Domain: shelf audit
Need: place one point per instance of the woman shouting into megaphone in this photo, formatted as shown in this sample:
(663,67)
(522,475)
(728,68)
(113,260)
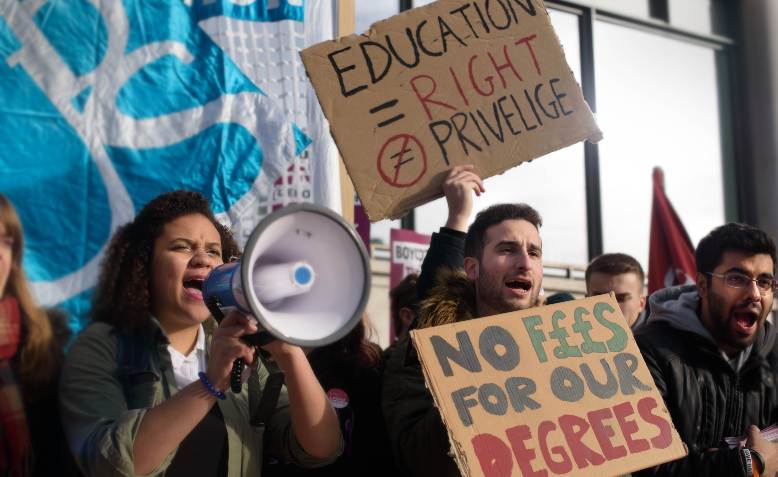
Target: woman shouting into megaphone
(143,388)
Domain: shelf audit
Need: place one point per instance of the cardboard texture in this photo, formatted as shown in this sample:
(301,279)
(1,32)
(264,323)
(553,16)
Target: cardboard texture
(554,390)
(454,82)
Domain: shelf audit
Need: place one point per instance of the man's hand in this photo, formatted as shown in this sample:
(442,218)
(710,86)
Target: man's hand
(767,449)
(457,187)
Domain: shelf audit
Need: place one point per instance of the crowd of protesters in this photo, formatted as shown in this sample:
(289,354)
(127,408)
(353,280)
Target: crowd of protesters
(142,390)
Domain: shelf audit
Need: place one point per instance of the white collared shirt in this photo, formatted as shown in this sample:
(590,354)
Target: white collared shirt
(186,368)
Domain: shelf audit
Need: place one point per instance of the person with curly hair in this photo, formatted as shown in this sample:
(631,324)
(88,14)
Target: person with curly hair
(31,342)
(140,384)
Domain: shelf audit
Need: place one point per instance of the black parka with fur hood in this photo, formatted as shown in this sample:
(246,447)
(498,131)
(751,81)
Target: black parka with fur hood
(418,438)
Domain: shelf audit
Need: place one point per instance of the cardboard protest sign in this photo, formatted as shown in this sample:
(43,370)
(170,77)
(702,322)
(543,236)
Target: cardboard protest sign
(454,82)
(555,390)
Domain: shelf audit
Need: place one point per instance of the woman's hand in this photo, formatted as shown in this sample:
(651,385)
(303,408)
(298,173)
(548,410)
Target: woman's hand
(282,352)
(166,425)
(226,347)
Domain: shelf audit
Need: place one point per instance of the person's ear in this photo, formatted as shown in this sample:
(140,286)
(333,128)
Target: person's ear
(702,285)
(406,316)
(471,268)
(643,299)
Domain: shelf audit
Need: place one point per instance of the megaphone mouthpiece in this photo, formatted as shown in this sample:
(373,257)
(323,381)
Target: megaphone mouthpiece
(273,283)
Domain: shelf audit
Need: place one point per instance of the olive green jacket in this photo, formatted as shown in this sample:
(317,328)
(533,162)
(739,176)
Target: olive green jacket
(101,421)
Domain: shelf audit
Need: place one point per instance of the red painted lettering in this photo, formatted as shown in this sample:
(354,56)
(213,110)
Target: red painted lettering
(629,427)
(459,86)
(489,79)
(665,436)
(604,433)
(526,41)
(493,455)
(507,65)
(574,428)
(424,98)
(558,467)
(517,437)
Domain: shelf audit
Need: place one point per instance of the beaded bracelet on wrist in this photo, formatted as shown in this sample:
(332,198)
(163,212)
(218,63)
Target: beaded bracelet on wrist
(211,388)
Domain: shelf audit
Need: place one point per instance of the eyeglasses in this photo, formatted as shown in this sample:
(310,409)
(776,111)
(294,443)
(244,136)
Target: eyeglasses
(741,280)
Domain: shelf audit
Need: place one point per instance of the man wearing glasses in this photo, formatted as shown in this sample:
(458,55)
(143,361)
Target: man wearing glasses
(713,356)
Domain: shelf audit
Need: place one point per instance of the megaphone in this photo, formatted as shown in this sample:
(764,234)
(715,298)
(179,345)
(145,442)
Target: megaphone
(304,276)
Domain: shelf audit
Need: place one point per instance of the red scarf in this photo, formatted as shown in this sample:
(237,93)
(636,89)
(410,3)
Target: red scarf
(14,435)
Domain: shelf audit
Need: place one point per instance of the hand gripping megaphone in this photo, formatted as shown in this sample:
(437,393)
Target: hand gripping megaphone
(304,276)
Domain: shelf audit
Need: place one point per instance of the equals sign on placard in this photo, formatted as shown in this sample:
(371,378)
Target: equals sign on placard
(389,104)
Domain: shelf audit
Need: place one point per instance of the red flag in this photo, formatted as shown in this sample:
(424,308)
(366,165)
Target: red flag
(671,254)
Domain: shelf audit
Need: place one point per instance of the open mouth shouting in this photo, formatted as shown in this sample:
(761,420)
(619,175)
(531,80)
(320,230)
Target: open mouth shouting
(193,287)
(745,320)
(519,286)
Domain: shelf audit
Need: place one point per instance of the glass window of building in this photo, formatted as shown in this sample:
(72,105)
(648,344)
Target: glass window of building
(657,104)
(632,8)
(693,15)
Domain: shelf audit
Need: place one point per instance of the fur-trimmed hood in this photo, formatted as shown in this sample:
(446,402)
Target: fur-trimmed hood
(452,299)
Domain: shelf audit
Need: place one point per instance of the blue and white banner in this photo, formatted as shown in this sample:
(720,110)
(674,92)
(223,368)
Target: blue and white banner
(106,104)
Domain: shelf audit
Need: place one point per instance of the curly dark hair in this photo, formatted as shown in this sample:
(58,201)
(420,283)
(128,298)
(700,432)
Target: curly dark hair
(122,297)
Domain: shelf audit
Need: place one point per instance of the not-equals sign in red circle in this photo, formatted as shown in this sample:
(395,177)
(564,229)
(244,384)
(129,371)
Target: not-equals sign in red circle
(402,161)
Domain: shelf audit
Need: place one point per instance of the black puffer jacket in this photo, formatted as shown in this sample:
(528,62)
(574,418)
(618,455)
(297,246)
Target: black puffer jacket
(708,397)
(417,435)
(418,438)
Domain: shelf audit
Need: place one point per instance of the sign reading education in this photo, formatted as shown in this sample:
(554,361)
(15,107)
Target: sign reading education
(454,82)
(555,390)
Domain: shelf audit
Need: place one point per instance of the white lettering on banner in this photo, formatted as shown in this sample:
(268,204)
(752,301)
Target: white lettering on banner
(102,125)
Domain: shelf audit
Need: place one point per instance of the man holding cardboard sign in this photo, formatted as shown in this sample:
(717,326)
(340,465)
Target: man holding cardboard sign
(503,272)
(522,391)
(713,355)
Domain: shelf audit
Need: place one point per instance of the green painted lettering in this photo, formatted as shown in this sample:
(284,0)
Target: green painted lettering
(564,350)
(619,339)
(582,327)
(537,336)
